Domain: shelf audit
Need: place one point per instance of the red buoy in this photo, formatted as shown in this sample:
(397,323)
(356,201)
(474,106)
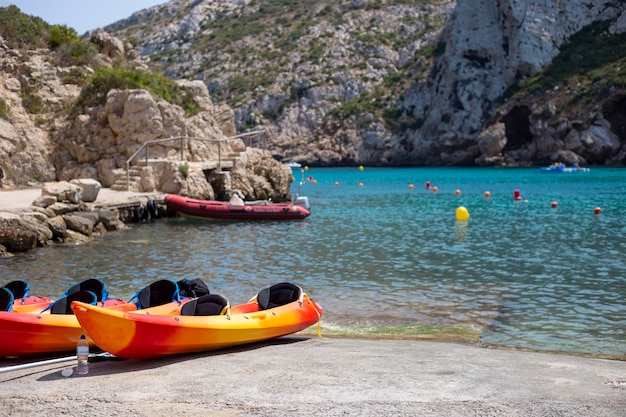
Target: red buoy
(555,204)
(597,210)
(517,195)
(428,185)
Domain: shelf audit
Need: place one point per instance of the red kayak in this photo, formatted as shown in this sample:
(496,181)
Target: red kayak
(223,210)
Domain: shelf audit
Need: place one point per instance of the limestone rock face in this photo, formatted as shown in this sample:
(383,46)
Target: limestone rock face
(24,229)
(63,191)
(90,150)
(445,100)
(80,224)
(17,235)
(492,141)
(90,187)
(134,115)
(132,118)
(58,227)
(488,47)
(262,178)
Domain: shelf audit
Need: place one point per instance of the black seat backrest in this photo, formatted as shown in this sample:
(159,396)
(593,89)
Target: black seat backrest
(64,305)
(278,295)
(19,288)
(192,288)
(6,299)
(158,293)
(207,305)
(96,286)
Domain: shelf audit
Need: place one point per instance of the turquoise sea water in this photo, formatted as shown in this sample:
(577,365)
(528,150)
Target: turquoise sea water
(384,258)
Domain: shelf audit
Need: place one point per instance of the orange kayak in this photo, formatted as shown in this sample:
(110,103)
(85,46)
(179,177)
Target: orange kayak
(134,335)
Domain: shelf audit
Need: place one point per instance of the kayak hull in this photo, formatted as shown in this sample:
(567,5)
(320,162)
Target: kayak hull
(140,336)
(30,333)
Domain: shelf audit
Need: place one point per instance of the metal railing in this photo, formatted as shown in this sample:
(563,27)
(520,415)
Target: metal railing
(182,140)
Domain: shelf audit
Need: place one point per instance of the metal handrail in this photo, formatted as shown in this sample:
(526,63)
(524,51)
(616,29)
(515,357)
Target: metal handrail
(182,139)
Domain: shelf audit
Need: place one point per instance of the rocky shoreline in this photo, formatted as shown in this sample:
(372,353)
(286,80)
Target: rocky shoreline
(68,212)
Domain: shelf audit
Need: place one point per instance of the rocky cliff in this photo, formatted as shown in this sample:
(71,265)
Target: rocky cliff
(372,82)
(63,121)
(396,82)
(491,46)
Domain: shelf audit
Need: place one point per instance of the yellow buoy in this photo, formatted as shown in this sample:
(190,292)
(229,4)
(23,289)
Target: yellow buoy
(361,168)
(462,214)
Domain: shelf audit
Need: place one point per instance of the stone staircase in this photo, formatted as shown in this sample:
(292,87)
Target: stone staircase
(141,175)
(132,182)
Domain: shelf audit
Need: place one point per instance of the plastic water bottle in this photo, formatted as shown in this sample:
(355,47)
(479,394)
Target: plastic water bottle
(82,353)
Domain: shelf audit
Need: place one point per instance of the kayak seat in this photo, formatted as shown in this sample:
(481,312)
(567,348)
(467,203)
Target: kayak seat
(64,305)
(207,305)
(192,288)
(158,293)
(6,299)
(96,286)
(18,288)
(278,295)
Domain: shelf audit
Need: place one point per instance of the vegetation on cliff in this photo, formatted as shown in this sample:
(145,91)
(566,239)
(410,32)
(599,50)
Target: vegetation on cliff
(22,31)
(25,32)
(271,45)
(105,79)
(590,67)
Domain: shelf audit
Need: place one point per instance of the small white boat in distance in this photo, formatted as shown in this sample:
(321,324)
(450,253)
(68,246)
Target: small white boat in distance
(292,164)
(560,167)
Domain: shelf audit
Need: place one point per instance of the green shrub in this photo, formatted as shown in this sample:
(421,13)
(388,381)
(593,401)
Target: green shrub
(4,109)
(75,76)
(32,102)
(106,79)
(60,34)
(76,53)
(184,170)
(20,30)
(29,32)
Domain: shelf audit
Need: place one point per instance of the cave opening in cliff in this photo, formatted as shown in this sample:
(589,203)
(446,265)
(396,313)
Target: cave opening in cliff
(517,128)
(614,110)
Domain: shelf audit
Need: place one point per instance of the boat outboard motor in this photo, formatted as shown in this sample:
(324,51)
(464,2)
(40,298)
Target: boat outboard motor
(302,201)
